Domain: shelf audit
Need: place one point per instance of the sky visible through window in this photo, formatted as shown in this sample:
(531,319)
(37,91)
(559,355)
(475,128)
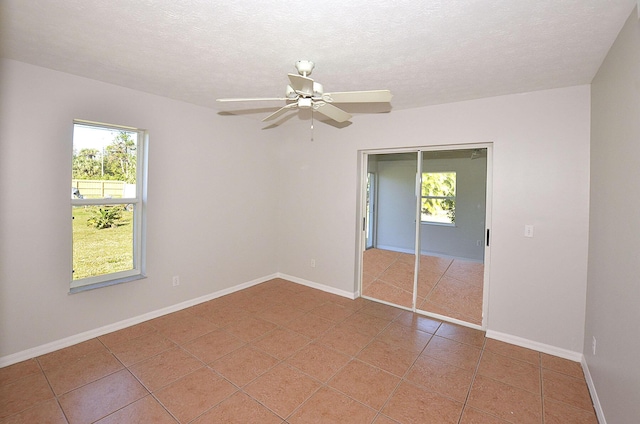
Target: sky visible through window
(89,137)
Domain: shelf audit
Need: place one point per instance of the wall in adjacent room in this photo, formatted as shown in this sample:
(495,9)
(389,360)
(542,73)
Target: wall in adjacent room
(396,207)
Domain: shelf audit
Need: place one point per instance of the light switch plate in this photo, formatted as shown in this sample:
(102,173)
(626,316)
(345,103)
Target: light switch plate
(528,230)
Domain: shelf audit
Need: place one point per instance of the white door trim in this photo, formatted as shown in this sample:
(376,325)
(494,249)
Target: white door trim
(363,161)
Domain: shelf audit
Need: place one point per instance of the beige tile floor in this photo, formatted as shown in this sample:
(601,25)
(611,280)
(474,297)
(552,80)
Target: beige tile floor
(450,287)
(281,352)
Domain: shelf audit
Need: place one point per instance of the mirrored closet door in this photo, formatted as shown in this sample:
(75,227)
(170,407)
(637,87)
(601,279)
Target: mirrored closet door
(389,260)
(425,220)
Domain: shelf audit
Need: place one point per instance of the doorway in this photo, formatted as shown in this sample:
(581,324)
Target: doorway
(425,225)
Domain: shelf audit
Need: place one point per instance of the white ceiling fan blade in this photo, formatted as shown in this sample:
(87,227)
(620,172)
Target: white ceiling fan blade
(252,99)
(280,112)
(302,85)
(332,112)
(371,96)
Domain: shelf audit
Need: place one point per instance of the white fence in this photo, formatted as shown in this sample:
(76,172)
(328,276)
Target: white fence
(104,189)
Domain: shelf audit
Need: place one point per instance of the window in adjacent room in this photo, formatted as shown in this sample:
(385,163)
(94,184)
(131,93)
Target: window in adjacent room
(107,204)
(438,203)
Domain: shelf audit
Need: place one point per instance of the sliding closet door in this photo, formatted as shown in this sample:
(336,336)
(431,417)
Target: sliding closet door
(452,233)
(389,258)
(425,227)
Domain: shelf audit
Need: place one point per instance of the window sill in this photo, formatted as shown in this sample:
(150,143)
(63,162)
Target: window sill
(438,224)
(93,286)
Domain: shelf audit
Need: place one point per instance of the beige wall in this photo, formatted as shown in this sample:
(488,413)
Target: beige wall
(613,293)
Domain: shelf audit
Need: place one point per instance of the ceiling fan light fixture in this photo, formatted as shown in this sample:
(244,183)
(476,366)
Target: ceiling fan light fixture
(305,103)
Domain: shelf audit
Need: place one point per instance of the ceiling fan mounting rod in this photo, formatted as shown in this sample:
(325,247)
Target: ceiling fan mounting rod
(304,67)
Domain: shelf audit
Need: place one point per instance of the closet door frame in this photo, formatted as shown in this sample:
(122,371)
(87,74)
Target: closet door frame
(361,239)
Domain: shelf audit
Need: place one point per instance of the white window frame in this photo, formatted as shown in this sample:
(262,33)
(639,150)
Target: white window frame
(446,224)
(139,216)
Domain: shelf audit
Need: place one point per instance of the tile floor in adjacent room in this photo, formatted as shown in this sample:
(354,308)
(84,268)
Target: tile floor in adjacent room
(282,352)
(449,287)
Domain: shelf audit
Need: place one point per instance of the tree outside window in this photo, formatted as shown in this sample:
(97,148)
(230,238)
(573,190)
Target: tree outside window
(438,202)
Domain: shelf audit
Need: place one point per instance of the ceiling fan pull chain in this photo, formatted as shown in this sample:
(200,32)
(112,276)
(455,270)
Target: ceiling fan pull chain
(311,124)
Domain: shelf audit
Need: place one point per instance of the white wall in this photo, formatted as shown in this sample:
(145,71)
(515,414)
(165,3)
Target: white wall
(211,204)
(396,203)
(540,174)
(307,193)
(613,291)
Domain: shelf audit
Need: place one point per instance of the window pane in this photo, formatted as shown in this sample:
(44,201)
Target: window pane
(104,163)
(439,184)
(438,210)
(102,240)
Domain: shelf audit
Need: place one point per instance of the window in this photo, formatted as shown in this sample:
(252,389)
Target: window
(107,204)
(438,203)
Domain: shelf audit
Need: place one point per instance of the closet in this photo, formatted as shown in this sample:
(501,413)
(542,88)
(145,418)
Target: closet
(425,236)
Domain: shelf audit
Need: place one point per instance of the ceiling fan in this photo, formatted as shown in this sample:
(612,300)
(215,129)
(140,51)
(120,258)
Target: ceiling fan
(303,92)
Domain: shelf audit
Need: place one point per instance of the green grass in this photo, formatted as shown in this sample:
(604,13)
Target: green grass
(98,252)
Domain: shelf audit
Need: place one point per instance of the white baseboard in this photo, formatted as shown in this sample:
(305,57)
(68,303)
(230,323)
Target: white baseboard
(324,288)
(540,347)
(395,249)
(592,389)
(556,351)
(428,253)
(87,335)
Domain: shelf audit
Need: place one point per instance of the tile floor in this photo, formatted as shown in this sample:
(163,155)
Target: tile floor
(450,287)
(280,352)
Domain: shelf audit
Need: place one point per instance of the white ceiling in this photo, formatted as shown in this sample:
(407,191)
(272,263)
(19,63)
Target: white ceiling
(425,51)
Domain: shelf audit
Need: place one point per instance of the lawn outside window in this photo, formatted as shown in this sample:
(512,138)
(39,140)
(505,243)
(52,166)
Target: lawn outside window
(438,200)
(108,199)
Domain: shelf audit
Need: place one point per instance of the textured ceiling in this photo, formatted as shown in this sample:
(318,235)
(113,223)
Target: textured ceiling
(425,51)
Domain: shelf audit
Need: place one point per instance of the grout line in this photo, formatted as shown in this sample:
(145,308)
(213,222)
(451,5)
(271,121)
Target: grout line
(541,387)
(321,384)
(62,410)
(55,395)
(473,379)
(449,312)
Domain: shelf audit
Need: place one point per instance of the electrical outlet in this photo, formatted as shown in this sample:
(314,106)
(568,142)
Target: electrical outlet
(313,263)
(593,345)
(176,280)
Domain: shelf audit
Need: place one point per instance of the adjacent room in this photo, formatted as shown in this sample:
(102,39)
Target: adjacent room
(431,217)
